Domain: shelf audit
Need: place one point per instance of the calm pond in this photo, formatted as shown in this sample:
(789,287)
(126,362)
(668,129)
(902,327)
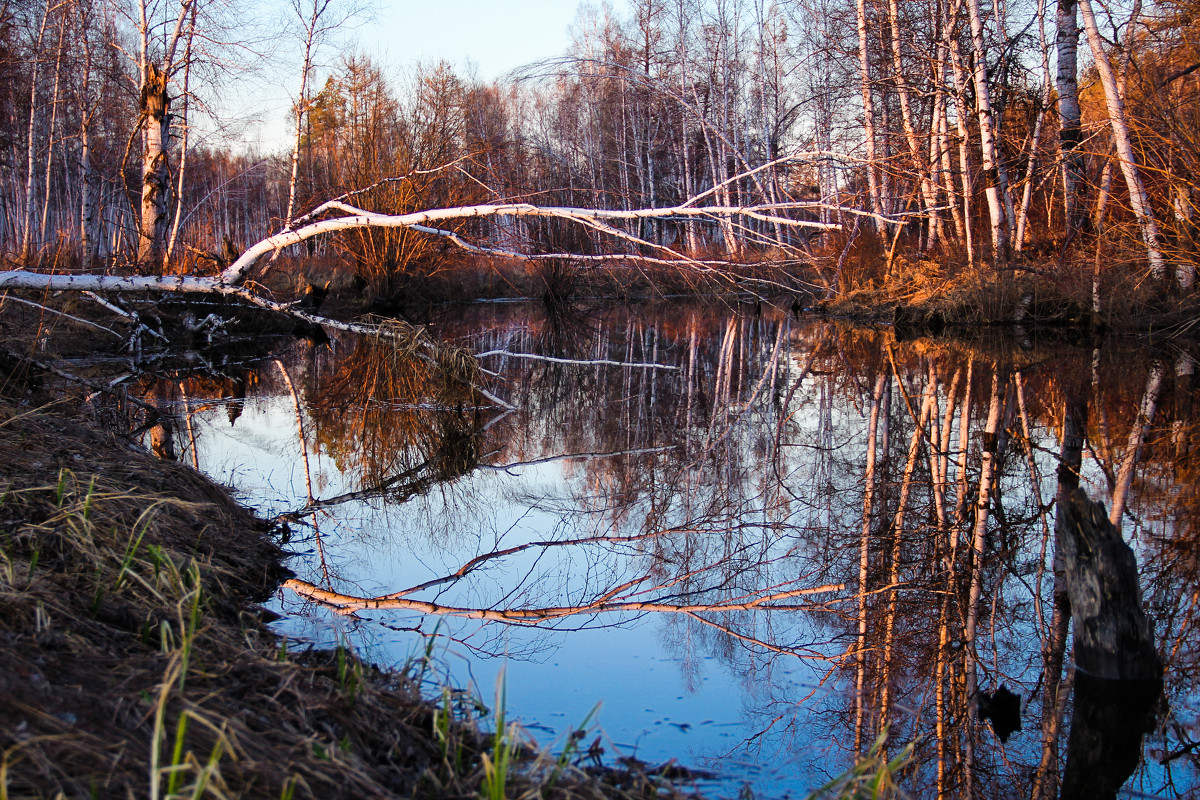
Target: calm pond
(755,549)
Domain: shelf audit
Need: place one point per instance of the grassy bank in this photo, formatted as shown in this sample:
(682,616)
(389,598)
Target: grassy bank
(138,665)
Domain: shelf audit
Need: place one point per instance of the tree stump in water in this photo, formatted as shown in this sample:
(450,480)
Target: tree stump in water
(1118,674)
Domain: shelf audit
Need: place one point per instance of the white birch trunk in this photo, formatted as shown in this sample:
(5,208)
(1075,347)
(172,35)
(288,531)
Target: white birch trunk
(1070,134)
(310,29)
(928,194)
(155,104)
(177,217)
(27,226)
(868,104)
(58,60)
(987,136)
(1137,436)
(964,140)
(1123,141)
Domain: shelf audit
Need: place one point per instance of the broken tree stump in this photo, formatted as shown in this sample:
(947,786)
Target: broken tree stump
(1118,674)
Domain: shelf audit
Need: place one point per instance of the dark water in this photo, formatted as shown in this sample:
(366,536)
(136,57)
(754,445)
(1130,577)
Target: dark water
(707,552)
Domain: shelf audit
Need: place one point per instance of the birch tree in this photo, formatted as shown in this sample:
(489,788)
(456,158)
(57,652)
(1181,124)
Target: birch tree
(1070,132)
(161,36)
(319,20)
(987,135)
(868,105)
(31,140)
(1123,141)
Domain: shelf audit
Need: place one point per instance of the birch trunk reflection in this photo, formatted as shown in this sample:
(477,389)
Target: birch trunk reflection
(760,501)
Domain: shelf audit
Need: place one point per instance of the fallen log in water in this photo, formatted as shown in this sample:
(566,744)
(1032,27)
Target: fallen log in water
(1118,674)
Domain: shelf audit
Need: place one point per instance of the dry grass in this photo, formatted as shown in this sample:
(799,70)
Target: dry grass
(137,666)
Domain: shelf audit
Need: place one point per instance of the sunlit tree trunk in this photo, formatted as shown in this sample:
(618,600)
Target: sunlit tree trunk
(1137,436)
(155,105)
(928,194)
(1122,139)
(987,136)
(964,141)
(864,561)
(177,217)
(987,474)
(868,104)
(156,63)
(1070,135)
(940,153)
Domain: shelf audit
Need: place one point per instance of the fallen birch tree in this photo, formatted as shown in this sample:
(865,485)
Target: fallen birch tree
(338,215)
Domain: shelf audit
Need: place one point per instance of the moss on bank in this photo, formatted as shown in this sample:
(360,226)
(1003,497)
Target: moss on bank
(137,664)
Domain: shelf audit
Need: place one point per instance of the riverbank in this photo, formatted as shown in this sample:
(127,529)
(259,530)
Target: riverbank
(137,663)
(919,295)
(927,297)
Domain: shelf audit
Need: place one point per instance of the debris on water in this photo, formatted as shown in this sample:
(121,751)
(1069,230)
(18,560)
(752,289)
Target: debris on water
(1003,708)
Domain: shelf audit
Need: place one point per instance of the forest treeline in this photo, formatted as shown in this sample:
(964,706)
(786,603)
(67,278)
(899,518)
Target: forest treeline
(953,132)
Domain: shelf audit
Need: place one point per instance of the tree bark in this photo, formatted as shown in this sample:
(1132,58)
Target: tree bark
(1123,140)
(868,104)
(928,195)
(1070,133)
(27,227)
(1118,673)
(987,136)
(155,104)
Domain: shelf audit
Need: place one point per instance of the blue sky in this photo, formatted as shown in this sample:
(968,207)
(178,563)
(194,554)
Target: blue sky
(497,35)
(493,36)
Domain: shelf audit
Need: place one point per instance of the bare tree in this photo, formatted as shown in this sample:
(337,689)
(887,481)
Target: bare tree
(318,20)
(1122,140)
(162,37)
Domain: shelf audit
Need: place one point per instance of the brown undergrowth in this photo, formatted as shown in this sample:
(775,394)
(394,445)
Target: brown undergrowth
(137,665)
(928,295)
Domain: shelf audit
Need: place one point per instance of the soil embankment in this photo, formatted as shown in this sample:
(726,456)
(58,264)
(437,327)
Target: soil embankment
(136,663)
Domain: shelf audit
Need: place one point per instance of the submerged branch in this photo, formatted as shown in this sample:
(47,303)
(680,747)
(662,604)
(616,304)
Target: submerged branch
(73,318)
(533,616)
(574,361)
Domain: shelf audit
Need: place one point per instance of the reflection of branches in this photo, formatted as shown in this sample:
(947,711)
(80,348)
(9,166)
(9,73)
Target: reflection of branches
(534,616)
(418,480)
(408,483)
(753,640)
(576,362)
(576,456)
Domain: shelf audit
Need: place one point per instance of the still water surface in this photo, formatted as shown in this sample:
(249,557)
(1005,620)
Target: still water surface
(756,549)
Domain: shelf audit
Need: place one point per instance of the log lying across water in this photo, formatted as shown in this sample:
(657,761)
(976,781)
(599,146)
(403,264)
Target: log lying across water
(1118,674)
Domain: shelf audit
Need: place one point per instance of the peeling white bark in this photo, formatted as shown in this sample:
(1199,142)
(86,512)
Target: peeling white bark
(1115,105)
(356,218)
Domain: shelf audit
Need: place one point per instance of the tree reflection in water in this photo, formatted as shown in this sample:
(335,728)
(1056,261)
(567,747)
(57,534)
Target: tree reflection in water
(882,514)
